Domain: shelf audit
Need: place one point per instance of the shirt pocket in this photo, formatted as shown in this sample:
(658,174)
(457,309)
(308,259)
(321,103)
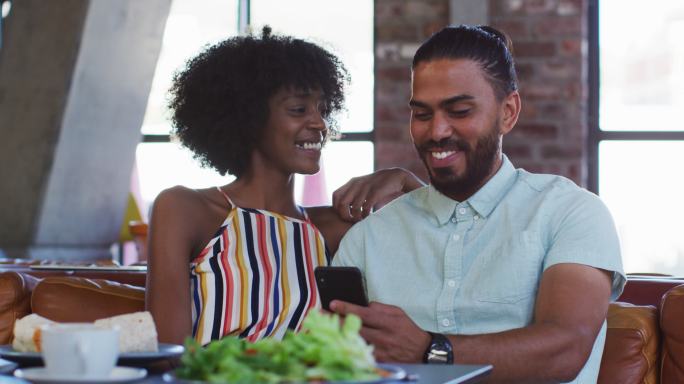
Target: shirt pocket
(510,272)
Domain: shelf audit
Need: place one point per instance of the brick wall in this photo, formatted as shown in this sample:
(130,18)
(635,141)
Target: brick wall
(548,36)
(400,27)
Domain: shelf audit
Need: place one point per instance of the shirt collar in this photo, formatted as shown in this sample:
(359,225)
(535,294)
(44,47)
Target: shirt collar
(483,201)
(486,199)
(440,205)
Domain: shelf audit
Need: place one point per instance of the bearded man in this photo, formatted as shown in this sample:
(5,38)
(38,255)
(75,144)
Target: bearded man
(488,264)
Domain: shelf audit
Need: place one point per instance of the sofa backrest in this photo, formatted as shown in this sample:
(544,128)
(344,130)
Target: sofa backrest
(658,316)
(631,352)
(15,301)
(672,328)
(62,298)
(78,299)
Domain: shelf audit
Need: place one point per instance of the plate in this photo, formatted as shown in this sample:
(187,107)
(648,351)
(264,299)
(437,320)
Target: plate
(118,375)
(391,373)
(166,351)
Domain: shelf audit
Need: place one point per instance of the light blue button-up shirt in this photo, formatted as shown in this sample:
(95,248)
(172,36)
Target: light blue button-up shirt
(474,267)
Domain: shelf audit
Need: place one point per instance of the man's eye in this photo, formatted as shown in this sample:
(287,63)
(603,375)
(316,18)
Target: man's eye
(459,112)
(421,116)
(297,110)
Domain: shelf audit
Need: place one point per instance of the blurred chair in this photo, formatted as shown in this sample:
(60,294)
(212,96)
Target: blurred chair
(138,230)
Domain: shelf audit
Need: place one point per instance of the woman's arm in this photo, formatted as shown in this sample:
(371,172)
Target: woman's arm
(362,195)
(358,198)
(167,294)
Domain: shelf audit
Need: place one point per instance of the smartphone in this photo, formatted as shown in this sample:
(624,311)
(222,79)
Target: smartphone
(340,283)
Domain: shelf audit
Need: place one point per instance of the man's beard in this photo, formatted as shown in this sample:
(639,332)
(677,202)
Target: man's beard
(479,163)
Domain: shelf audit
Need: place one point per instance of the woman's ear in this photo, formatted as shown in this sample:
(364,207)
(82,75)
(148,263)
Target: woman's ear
(510,110)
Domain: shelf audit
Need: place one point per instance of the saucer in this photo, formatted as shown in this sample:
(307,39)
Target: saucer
(118,375)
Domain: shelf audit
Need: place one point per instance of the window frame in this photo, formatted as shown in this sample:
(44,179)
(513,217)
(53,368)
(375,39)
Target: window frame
(244,20)
(595,135)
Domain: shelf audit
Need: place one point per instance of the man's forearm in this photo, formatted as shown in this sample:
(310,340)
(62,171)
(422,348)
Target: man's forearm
(535,354)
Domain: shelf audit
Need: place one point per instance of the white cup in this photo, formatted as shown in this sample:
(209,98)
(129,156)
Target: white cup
(79,350)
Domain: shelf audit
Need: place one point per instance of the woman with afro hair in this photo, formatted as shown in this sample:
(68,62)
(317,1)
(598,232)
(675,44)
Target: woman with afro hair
(238,259)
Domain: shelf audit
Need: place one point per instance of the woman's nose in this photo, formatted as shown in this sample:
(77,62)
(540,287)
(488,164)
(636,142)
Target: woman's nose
(317,121)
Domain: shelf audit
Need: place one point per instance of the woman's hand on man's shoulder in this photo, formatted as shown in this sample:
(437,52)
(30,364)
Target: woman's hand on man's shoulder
(362,195)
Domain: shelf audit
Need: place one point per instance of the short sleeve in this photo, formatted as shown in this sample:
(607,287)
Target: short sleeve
(584,233)
(350,252)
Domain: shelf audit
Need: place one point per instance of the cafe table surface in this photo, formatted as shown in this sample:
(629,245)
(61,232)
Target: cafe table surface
(417,373)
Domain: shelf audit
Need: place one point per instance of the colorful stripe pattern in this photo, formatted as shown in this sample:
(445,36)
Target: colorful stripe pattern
(255,277)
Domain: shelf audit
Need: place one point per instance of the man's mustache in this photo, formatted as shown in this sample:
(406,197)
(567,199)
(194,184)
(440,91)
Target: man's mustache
(448,144)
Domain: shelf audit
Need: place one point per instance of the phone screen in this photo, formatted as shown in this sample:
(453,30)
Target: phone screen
(340,283)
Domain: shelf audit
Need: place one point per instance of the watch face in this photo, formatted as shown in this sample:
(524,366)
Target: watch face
(436,356)
(440,350)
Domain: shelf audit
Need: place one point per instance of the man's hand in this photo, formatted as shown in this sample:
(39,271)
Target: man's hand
(395,337)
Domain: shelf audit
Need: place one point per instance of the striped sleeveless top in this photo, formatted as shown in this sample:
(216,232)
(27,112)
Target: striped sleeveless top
(255,279)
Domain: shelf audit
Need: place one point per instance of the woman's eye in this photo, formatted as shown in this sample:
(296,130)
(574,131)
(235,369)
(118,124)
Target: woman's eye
(298,110)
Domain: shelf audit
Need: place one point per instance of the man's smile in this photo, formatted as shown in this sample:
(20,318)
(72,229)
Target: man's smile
(441,158)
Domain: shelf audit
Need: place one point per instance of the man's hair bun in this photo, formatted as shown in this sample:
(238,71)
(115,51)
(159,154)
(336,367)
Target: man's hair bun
(266,32)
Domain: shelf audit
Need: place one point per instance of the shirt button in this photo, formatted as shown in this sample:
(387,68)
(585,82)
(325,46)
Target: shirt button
(451,283)
(453,219)
(456,237)
(445,322)
(462,211)
(476,217)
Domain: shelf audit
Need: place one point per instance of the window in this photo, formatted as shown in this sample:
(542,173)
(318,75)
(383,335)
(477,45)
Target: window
(162,164)
(636,138)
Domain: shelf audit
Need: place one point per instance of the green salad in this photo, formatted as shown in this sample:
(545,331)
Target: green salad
(324,350)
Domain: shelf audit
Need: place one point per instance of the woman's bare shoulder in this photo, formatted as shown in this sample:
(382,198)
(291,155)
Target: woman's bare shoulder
(187,200)
(187,217)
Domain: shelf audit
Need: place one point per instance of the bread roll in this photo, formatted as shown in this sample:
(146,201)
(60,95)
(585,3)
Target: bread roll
(137,331)
(27,333)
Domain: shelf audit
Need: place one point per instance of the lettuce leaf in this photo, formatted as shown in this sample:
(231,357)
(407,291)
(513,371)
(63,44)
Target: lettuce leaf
(326,349)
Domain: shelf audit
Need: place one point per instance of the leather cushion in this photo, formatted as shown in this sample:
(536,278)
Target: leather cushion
(672,327)
(630,354)
(15,301)
(78,299)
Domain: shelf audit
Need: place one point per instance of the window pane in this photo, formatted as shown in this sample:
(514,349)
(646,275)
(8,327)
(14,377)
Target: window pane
(641,184)
(642,65)
(340,162)
(164,165)
(343,27)
(190,26)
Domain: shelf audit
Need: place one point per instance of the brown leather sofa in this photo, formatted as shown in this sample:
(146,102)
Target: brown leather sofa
(645,337)
(67,296)
(644,342)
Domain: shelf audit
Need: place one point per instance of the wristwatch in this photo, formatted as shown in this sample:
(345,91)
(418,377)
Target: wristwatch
(439,351)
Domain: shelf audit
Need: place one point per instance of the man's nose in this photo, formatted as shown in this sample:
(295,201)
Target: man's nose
(440,128)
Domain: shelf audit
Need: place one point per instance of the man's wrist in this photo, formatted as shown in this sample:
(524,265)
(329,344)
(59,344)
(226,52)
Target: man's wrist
(411,181)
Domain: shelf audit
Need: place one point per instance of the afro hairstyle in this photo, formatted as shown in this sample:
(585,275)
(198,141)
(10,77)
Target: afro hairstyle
(219,99)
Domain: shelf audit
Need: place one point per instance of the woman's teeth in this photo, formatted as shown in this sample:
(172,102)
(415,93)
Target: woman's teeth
(314,146)
(442,155)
